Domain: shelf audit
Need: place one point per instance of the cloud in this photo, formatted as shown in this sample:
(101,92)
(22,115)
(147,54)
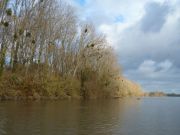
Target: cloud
(165,66)
(155,75)
(147,67)
(150,68)
(155,17)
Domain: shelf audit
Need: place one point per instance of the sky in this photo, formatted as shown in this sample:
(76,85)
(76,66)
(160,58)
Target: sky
(145,35)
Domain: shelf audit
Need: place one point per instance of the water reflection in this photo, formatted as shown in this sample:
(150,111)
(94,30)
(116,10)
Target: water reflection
(125,117)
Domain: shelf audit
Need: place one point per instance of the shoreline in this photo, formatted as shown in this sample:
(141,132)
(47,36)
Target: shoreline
(44,98)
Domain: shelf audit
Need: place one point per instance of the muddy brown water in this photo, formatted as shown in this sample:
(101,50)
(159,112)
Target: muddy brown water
(130,116)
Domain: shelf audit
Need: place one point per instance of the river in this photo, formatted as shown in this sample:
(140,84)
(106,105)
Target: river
(129,116)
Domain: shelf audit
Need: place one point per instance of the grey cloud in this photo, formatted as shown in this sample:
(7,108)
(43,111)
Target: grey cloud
(138,45)
(166,79)
(155,17)
(156,50)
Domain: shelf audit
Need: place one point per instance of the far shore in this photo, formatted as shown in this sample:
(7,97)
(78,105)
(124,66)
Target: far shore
(160,94)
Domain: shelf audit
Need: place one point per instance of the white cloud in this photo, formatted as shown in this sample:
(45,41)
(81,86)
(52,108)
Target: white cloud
(165,66)
(150,68)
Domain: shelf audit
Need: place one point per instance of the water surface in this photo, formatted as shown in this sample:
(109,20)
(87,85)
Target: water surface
(148,116)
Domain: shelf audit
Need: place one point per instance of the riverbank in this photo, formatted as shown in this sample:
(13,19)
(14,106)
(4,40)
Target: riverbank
(41,86)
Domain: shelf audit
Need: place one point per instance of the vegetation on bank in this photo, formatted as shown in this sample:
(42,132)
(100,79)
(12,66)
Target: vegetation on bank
(46,52)
(155,94)
(161,94)
(173,95)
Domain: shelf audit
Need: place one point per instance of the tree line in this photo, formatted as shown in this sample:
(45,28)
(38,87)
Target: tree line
(45,49)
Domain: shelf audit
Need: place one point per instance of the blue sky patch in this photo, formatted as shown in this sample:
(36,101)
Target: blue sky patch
(81,2)
(119,18)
